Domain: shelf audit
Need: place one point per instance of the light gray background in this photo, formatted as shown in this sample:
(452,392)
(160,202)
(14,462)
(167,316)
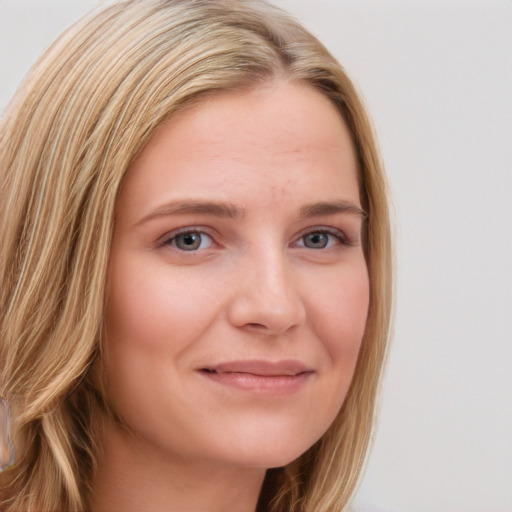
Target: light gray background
(437,78)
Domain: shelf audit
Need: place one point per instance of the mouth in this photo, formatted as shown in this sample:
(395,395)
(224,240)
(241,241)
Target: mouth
(285,368)
(281,377)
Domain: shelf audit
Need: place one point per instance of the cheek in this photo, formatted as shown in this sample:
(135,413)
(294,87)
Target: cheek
(152,318)
(149,308)
(339,310)
(338,302)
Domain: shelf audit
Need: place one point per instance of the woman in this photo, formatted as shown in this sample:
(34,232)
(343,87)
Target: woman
(195,266)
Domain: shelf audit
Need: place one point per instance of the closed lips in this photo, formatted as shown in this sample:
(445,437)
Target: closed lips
(286,368)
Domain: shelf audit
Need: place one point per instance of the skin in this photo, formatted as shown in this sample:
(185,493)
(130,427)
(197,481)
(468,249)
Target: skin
(219,257)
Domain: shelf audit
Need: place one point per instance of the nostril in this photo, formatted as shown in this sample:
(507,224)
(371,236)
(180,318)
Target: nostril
(256,325)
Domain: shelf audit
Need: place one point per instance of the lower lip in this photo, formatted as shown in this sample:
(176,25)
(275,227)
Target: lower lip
(265,384)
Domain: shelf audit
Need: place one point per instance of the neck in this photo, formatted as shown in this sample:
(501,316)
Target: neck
(131,477)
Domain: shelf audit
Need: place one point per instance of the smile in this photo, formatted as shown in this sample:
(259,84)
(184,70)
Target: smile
(266,377)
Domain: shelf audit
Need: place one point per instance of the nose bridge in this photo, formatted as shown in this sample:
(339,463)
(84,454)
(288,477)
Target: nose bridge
(267,297)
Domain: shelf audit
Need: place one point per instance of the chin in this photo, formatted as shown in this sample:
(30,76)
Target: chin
(268,448)
(274,457)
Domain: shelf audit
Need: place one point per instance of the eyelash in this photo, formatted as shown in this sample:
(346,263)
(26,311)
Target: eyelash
(170,239)
(340,236)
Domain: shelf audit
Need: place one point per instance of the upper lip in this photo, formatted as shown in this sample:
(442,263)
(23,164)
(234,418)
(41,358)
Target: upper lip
(287,367)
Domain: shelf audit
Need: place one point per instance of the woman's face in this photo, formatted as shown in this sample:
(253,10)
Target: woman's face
(238,291)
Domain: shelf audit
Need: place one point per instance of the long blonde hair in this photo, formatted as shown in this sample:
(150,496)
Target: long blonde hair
(81,116)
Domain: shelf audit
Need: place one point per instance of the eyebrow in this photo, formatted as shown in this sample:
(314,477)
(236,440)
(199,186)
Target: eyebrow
(216,209)
(331,208)
(231,211)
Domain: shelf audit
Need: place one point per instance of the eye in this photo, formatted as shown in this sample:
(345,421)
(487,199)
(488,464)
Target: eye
(189,241)
(322,239)
(316,240)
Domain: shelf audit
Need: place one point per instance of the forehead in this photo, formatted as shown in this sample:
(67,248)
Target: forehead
(277,140)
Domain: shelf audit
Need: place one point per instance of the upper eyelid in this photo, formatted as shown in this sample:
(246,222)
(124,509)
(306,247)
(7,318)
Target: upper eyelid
(163,240)
(321,229)
(343,238)
(324,229)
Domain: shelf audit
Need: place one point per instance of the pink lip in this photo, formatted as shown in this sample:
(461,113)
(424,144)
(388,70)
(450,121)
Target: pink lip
(280,377)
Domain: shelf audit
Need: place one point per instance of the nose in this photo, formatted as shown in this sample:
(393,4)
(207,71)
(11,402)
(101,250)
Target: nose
(266,297)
